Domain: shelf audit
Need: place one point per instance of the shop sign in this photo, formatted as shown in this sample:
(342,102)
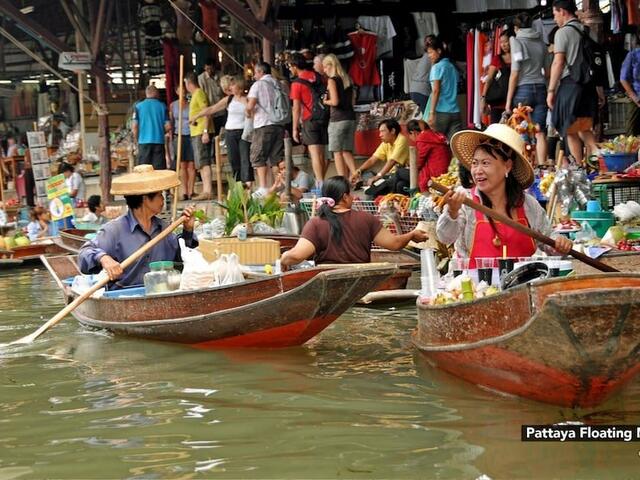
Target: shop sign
(74,61)
(60,204)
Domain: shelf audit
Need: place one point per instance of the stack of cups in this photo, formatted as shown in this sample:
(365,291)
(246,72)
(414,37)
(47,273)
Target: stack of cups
(429,276)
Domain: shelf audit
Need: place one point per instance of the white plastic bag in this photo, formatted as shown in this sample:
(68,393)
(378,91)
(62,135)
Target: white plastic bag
(234,272)
(82,283)
(197,272)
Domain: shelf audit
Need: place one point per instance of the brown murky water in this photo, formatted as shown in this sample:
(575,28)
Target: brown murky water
(356,402)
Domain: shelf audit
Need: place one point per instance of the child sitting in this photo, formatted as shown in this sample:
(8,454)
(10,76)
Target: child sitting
(96,210)
(39,226)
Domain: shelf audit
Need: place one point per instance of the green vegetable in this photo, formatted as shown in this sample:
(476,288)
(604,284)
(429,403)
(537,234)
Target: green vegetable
(241,207)
(201,216)
(467,289)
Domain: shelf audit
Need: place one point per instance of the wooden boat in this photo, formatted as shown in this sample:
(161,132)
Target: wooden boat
(29,254)
(621,260)
(276,311)
(71,239)
(570,342)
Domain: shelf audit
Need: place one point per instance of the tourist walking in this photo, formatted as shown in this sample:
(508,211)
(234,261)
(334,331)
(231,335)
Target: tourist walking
(149,124)
(527,85)
(442,112)
(310,116)
(187,167)
(573,103)
(269,107)
(342,119)
(237,148)
(496,86)
(200,139)
(630,81)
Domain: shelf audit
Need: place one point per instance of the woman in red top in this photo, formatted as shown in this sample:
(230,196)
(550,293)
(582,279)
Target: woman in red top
(499,70)
(434,154)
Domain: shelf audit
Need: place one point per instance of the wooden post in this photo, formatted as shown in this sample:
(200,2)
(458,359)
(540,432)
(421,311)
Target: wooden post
(176,192)
(288,162)
(104,151)
(267,51)
(413,168)
(218,169)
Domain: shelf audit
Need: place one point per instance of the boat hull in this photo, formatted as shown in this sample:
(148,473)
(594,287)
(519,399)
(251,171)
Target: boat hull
(570,342)
(278,311)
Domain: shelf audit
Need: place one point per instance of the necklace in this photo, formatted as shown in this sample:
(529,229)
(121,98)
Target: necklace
(497,241)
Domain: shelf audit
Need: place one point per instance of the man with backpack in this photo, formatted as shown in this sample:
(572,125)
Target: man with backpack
(571,95)
(268,104)
(310,113)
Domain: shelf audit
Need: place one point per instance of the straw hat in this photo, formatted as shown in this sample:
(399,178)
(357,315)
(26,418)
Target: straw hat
(144,179)
(465,142)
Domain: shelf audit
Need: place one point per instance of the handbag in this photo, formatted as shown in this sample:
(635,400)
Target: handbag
(497,91)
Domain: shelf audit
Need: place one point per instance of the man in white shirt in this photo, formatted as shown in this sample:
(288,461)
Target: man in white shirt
(267,147)
(74,182)
(209,81)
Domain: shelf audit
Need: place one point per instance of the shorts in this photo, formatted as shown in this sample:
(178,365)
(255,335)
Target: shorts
(533,95)
(152,154)
(201,152)
(581,124)
(267,147)
(341,135)
(187,150)
(314,133)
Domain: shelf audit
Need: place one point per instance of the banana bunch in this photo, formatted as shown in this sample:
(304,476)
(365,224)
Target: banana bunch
(546,182)
(448,179)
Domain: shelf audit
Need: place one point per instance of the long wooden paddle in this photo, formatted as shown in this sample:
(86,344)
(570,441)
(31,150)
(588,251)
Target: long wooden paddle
(72,306)
(489,212)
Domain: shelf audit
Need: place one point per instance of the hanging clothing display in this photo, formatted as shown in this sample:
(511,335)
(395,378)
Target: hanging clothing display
(209,12)
(633,12)
(184,28)
(426,24)
(171,68)
(383,28)
(363,68)
(472,6)
(340,45)
(149,16)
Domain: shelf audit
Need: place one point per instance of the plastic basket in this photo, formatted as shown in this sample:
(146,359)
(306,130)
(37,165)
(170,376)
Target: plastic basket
(612,194)
(618,162)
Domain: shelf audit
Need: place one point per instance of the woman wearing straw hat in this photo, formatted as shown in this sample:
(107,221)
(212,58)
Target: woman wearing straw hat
(501,174)
(121,237)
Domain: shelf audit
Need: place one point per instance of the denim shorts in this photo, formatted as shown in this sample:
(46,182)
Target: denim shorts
(535,96)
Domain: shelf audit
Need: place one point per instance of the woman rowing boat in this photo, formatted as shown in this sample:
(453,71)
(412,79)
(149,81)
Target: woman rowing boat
(501,173)
(121,237)
(341,235)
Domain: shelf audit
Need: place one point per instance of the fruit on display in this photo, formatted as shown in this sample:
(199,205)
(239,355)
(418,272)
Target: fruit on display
(461,289)
(20,240)
(9,243)
(2,244)
(621,144)
(546,182)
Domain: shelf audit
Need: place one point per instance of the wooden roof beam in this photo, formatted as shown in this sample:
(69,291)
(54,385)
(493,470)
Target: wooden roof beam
(41,34)
(76,22)
(237,10)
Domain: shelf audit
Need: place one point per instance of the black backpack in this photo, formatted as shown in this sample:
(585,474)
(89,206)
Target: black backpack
(319,111)
(590,65)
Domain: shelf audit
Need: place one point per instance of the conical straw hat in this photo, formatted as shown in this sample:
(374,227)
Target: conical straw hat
(144,179)
(465,142)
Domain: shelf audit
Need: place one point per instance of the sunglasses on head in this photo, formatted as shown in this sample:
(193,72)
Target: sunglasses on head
(497,146)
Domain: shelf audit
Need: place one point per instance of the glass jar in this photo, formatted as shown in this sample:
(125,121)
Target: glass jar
(161,278)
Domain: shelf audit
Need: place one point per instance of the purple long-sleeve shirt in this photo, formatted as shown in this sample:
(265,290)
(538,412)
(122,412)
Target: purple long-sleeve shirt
(123,236)
(630,70)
